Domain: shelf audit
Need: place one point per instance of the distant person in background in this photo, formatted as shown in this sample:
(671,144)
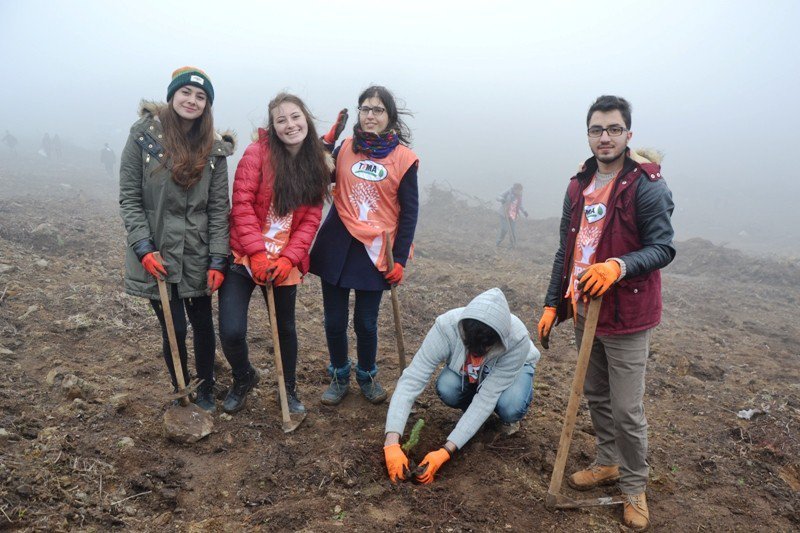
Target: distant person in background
(10,141)
(510,208)
(376,192)
(108,159)
(47,146)
(615,236)
(173,197)
(57,146)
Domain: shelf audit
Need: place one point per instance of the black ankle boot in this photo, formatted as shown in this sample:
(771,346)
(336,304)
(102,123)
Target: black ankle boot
(205,397)
(237,394)
(295,405)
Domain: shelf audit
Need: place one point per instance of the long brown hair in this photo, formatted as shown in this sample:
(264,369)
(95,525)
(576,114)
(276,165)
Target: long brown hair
(302,179)
(188,151)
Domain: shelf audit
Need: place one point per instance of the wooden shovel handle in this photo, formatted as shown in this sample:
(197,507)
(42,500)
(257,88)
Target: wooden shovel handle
(269,296)
(173,339)
(398,325)
(590,326)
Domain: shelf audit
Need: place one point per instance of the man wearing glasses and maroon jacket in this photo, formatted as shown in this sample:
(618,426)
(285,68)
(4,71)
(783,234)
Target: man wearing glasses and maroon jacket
(616,233)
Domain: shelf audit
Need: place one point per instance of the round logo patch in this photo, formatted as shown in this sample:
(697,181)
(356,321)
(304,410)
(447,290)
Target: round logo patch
(369,170)
(595,212)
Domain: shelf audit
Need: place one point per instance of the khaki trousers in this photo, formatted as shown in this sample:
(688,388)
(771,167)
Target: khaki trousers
(614,389)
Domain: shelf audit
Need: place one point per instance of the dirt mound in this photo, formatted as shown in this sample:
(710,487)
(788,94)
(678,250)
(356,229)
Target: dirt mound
(699,257)
(87,452)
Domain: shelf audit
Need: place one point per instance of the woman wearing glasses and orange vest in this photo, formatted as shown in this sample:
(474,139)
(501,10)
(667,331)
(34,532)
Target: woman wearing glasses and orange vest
(375,191)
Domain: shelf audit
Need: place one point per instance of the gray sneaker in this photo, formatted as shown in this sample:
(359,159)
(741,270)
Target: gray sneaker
(336,391)
(372,390)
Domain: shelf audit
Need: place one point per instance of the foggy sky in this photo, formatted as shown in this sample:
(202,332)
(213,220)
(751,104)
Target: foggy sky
(499,90)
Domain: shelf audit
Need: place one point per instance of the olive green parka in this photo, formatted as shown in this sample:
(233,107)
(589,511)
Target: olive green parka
(188,226)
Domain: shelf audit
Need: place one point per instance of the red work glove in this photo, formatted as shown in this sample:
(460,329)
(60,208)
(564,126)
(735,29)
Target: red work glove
(395,276)
(259,266)
(396,462)
(595,280)
(337,128)
(153,266)
(280,270)
(545,325)
(431,464)
(214,280)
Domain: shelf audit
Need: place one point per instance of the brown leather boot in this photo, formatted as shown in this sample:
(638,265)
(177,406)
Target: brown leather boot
(594,476)
(636,516)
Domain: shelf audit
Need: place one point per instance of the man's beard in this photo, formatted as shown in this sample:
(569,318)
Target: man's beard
(610,158)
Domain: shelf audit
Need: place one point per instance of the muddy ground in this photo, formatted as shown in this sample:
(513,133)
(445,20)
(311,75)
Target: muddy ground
(92,456)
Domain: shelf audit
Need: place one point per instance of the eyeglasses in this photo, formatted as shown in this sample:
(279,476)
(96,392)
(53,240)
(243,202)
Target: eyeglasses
(376,111)
(613,131)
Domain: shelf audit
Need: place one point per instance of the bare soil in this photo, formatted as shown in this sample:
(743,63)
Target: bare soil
(86,457)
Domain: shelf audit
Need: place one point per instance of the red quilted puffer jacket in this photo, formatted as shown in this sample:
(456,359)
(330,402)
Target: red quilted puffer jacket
(252,196)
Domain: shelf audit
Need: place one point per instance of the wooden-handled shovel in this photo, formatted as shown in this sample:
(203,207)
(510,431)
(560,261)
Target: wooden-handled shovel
(185,422)
(291,421)
(398,325)
(554,499)
(183,391)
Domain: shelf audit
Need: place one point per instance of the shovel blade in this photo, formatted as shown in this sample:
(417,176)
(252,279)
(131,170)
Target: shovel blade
(183,394)
(559,501)
(295,419)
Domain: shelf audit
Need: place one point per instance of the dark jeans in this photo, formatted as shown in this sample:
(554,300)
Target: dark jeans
(199,311)
(336,301)
(234,300)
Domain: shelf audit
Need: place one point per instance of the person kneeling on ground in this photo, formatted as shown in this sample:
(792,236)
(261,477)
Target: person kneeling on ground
(489,365)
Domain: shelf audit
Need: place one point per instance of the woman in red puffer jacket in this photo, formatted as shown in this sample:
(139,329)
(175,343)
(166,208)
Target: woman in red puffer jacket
(278,192)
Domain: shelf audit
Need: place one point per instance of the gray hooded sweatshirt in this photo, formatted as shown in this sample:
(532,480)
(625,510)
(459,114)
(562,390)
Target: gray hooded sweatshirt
(444,344)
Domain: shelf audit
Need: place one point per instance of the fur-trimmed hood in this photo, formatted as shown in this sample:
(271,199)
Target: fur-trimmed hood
(647,155)
(224,141)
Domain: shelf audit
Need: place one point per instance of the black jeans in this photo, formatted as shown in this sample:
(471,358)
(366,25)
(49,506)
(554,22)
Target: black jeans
(336,301)
(199,311)
(234,301)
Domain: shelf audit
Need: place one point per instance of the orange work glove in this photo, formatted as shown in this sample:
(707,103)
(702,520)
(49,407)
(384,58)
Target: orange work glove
(337,128)
(595,280)
(214,280)
(431,464)
(259,266)
(396,462)
(280,270)
(153,266)
(545,325)
(395,276)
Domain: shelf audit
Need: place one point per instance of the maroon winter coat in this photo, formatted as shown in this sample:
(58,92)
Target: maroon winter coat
(252,196)
(638,231)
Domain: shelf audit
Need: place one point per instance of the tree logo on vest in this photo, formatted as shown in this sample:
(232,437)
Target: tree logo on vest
(369,170)
(594,212)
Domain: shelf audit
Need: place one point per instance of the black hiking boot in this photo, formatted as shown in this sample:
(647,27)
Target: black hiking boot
(237,394)
(295,405)
(372,390)
(336,391)
(205,397)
